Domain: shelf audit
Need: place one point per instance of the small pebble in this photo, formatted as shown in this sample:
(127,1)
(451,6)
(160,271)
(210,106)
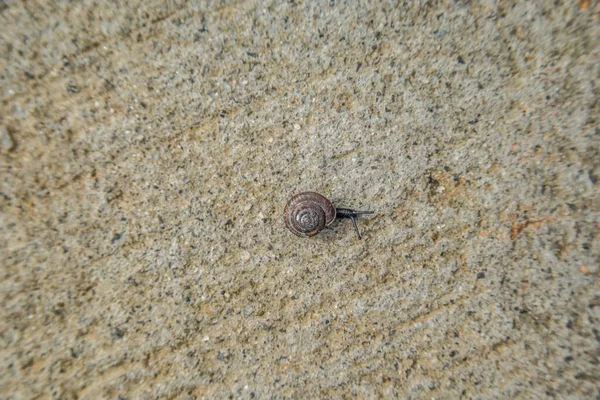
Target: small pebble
(245,255)
(584,269)
(116,237)
(297,127)
(6,140)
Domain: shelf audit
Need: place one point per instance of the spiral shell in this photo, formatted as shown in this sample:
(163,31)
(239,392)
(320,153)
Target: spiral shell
(306,214)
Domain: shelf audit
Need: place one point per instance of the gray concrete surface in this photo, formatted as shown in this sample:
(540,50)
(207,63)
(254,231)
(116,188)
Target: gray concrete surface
(148,149)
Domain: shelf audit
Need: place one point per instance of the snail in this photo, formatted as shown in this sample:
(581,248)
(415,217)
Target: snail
(307,213)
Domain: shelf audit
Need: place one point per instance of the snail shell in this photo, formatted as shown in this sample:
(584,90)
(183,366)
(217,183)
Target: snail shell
(307,213)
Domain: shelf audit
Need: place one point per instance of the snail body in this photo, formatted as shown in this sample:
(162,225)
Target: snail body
(307,213)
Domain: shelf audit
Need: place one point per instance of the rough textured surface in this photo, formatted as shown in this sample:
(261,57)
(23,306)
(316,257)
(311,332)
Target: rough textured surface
(148,149)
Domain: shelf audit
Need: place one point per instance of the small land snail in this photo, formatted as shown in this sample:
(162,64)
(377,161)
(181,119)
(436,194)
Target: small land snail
(307,213)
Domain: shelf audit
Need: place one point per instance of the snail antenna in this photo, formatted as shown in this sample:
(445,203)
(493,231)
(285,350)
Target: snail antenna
(356,227)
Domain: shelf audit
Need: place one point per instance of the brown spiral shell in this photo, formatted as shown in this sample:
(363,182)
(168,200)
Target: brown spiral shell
(307,213)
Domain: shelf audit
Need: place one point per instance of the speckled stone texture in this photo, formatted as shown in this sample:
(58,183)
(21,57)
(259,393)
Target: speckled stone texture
(147,149)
